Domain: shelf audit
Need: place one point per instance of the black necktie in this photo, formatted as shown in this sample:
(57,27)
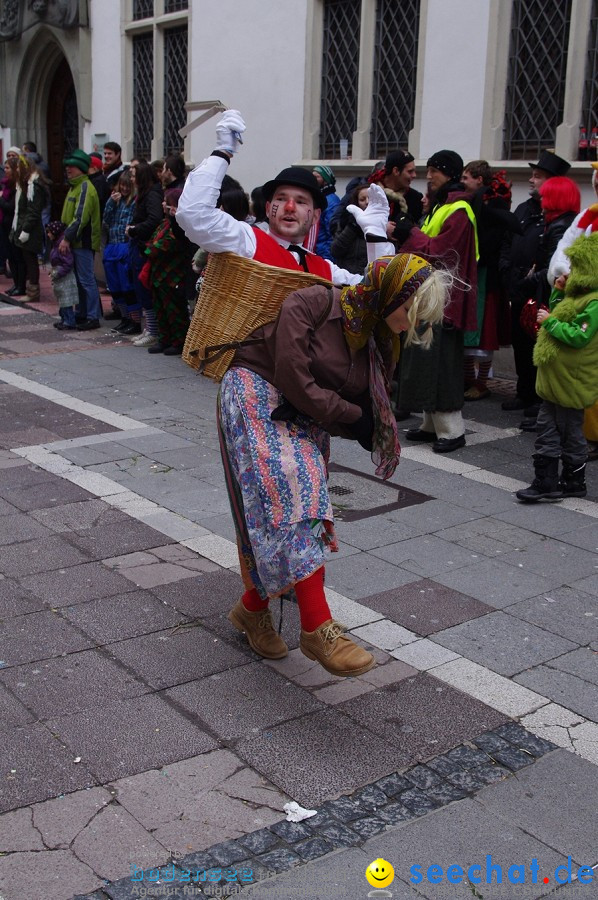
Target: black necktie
(301,253)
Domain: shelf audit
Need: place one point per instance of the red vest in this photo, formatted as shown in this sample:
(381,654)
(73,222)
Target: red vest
(270,252)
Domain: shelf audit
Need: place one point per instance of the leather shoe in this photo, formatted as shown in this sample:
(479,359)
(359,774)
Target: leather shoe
(173,351)
(416,434)
(158,348)
(88,325)
(131,328)
(337,653)
(259,631)
(447,445)
(514,403)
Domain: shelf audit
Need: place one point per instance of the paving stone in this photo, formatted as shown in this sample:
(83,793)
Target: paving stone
(447,793)
(393,784)
(368,826)
(554,800)
(345,809)
(370,797)
(15,601)
(513,759)
(444,765)
(498,692)
(65,685)
(466,757)
(37,636)
(426,555)
(279,860)
(567,690)
(103,541)
(334,768)
(417,801)
(395,813)
(497,584)
(553,558)
(339,691)
(422,777)
(155,574)
(328,877)
(46,770)
(57,492)
(259,841)
(12,712)
(227,852)
(59,821)
(198,861)
(502,644)
(117,618)
(523,739)
(291,832)
(425,606)
(115,741)
(20,527)
(467,781)
(243,700)
(405,715)
(30,557)
(313,848)
(339,835)
(581,662)
(489,773)
(563,611)
(491,741)
(44,876)
(75,516)
(357,576)
(17,833)
(76,584)
(385,634)
(166,658)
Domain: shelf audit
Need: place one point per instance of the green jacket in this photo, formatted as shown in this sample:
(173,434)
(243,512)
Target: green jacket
(566,352)
(81,215)
(29,204)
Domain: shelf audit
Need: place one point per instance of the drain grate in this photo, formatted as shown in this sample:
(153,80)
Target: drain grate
(357,496)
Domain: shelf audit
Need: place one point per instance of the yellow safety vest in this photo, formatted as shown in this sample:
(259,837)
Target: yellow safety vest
(433,224)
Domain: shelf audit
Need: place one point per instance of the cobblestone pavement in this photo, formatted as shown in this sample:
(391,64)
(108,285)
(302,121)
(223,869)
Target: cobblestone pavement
(148,752)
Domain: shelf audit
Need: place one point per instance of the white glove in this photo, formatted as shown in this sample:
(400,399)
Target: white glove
(228,131)
(372,219)
(23,237)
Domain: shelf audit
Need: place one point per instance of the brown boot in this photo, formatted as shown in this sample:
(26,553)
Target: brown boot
(335,651)
(259,631)
(32,292)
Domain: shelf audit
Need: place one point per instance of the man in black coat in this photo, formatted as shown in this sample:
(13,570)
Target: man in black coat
(517,257)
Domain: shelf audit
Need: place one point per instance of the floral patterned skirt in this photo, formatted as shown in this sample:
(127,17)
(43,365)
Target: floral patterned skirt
(276,477)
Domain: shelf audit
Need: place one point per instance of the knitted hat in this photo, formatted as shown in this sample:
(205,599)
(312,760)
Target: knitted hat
(79,159)
(295,176)
(448,162)
(398,159)
(583,253)
(551,163)
(327,174)
(16,150)
(96,159)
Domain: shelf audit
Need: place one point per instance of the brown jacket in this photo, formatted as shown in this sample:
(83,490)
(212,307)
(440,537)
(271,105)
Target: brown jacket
(304,354)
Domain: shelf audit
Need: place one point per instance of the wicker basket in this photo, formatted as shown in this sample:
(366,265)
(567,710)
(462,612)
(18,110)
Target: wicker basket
(237,296)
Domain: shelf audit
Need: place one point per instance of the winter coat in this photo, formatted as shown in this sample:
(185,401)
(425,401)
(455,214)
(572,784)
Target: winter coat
(518,251)
(81,215)
(27,219)
(349,248)
(536,285)
(147,216)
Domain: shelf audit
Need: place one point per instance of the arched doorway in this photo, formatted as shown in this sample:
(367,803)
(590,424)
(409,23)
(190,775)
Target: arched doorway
(62,119)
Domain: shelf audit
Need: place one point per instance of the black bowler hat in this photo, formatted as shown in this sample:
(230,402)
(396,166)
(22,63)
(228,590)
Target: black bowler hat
(551,163)
(296,177)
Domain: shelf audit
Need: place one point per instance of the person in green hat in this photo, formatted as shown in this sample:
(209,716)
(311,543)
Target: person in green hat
(81,215)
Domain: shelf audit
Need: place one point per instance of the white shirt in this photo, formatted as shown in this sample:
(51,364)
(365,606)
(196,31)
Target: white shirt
(217,231)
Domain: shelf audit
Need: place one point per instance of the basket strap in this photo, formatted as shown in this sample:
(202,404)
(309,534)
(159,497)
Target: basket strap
(215,351)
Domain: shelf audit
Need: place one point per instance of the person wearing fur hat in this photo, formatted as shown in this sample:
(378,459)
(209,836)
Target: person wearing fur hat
(566,356)
(81,214)
(434,382)
(294,202)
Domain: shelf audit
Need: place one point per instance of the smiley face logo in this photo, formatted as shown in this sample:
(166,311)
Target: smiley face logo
(380,873)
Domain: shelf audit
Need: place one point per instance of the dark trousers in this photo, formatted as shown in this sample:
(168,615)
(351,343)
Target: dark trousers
(523,352)
(560,433)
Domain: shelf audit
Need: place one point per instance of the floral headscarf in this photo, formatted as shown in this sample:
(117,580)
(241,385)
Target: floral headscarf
(388,283)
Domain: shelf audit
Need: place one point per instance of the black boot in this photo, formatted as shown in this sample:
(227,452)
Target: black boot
(545,485)
(573,480)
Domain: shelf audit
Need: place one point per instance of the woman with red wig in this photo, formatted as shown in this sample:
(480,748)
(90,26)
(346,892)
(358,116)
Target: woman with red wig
(561,201)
